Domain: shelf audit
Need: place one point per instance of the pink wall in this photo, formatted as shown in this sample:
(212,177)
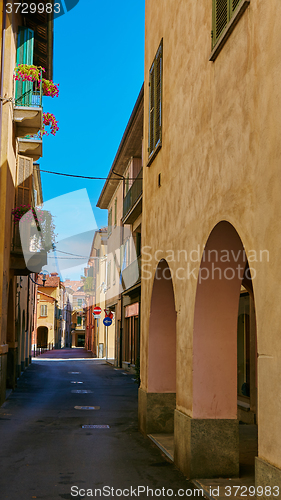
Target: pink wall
(215,328)
(162,334)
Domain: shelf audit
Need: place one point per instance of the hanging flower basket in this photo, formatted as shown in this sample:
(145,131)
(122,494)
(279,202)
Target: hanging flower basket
(26,72)
(50,120)
(31,73)
(50,88)
(18,212)
(42,223)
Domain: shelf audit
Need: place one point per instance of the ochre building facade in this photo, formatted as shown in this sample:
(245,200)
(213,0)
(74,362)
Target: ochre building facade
(210,320)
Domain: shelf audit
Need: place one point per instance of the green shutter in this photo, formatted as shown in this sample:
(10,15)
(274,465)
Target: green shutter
(115,212)
(222,13)
(158,92)
(235,4)
(109,230)
(220,17)
(155,101)
(25,51)
(151,109)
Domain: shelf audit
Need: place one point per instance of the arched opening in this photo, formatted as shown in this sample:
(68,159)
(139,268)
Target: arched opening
(224,351)
(162,333)
(42,336)
(11,339)
(23,340)
(19,339)
(161,386)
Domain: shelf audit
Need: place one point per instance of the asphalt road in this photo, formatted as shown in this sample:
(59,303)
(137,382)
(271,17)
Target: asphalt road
(44,451)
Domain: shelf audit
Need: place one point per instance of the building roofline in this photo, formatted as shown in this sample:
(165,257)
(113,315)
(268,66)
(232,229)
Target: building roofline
(46,295)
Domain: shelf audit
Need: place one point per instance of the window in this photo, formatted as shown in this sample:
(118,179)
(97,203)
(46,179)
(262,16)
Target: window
(43,311)
(223,11)
(115,212)
(138,244)
(155,104)
(109,222)
(97,260)
(126,259)
(25,50)
(114,270)
(127,184)
(79,321)
(80,301)
(108,281)
(24,180)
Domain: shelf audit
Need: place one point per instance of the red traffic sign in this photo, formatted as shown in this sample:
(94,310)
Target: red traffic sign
(97,310)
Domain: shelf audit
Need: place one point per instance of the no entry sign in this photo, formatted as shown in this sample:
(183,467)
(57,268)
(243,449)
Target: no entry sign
(97,311)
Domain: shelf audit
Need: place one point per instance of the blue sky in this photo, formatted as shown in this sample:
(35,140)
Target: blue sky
(99,64)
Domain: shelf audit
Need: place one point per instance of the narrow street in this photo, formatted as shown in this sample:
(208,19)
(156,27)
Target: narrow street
(45,451)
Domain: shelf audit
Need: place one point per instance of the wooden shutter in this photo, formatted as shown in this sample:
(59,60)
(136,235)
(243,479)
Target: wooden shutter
(221,17)
(115,212)
(110,221)
(158,95)
(44,310)
(25,50)
(151,109)
(24,180)
(234,4)
(155,101)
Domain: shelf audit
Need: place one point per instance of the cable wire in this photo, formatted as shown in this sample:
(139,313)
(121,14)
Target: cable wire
(86,177)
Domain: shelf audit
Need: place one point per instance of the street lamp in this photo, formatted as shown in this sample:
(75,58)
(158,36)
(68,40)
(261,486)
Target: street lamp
(44,279)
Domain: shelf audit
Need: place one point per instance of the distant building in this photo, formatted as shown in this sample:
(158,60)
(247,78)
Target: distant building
(100,339)
(51,324)
(78,328)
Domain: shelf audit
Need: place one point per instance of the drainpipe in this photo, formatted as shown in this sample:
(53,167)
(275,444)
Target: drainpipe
(2,66)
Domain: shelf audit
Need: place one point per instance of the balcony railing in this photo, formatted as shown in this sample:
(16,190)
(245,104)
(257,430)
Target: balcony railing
(31,145)
(29,94)
(35,260)
(28,112)
(133,194)
(131,274)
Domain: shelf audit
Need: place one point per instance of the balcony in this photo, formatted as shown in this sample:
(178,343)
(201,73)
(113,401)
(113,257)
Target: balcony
(132,203)
(28,112)
(131,275)
(31,146)
(31,262)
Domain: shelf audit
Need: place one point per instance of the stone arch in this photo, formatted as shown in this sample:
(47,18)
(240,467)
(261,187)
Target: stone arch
(42,336)
(214,429)
(162,333)
(215,324)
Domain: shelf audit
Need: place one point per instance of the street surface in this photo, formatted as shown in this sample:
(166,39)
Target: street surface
(44,451)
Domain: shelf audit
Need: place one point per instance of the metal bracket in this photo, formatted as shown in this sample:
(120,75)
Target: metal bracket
(7,99)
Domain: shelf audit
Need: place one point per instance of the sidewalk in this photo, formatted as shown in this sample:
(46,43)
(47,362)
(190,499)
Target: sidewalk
(222,488)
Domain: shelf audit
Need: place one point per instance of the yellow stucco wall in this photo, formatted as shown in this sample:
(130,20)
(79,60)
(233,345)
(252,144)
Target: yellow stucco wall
(220,160)
(49,320)
(7,175)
